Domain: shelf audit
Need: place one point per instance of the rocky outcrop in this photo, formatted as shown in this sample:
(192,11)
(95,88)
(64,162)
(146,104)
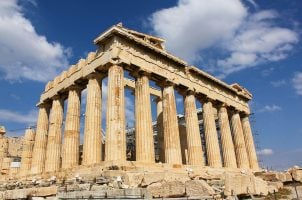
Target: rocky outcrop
(296,173)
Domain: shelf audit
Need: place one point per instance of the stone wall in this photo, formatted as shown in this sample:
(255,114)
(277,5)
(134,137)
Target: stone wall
(15,146)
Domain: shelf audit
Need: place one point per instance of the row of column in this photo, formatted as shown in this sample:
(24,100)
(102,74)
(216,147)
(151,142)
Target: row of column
(238,149)
(47,148)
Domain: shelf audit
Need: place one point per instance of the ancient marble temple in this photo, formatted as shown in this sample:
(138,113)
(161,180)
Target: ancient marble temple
(56,144)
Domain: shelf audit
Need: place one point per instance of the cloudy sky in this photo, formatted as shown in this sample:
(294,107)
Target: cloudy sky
(254,43)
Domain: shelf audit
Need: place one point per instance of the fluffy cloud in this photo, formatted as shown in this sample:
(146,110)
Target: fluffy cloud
(24,54)
(265,152)
(29,118)
(270,108)
(297,82)
(278,83)
(194,25)
(257,41)
(239,39)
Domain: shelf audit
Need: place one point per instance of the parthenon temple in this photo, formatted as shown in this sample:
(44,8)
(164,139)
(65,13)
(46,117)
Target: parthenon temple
(212,135)
(144,57)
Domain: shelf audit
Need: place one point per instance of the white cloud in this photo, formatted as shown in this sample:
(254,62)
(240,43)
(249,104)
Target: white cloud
(240,39)
(257,41)
(278,83)
(265,152)
(297,82)
(270,108)
(194,25)
(24,54)
(29,118)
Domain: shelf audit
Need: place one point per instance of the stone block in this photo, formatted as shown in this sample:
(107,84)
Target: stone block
(99,187)
(133,192)
(274,186)
(167,189)
(84,187)
(152,177)
(297,174)
(16,194)
(117,193)
(101,180)
(73,187)
(134,179)
(181,177)
(44,191)
(261,186)
(237,183)
(198,188)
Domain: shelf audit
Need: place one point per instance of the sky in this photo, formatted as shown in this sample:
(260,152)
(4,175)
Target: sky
(254,43)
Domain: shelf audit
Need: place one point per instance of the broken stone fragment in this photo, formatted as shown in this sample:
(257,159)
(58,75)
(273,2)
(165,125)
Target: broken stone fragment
(198,188)
(167,189)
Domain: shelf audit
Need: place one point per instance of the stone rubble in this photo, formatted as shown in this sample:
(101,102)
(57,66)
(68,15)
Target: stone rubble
(156,182)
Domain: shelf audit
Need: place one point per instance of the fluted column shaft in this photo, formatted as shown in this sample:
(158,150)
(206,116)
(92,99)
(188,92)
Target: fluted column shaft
(195,152)
(3,148)
(92,148)
(228,151)
(70,157)
(39,151)
(160,136)
(211,137)
(27,150)
(115,148)
(144,143)
(170,127)
(239,143)
(54,142)
(249,142)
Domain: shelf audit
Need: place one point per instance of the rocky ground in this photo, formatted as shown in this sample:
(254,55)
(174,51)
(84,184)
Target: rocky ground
(129,180)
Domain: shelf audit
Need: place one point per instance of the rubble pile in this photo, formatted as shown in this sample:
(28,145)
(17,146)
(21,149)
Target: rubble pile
(151,182)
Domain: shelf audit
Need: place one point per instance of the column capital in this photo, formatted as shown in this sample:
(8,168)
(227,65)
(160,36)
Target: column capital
(166,83)
(204,98)
(186,91)
(74,87)
(244,115)
(232,110)
(44,105)
(139,73)
(56,97)
(95,75)
(221,105)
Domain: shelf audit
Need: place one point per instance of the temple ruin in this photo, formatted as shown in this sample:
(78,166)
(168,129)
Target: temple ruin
(226,145)
(119,50)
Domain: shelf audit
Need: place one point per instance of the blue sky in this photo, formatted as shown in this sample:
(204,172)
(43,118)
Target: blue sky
(254,43)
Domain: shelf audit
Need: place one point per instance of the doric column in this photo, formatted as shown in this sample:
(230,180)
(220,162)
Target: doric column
(228,151)
(170,127)
(195,153)
(144,143)
(249,142)
(54,142)
(211,137)
(240,149)
(39,151)
(70,157)
(115,148)
(3,146)
(92,148)
(160,136)
(27,150)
